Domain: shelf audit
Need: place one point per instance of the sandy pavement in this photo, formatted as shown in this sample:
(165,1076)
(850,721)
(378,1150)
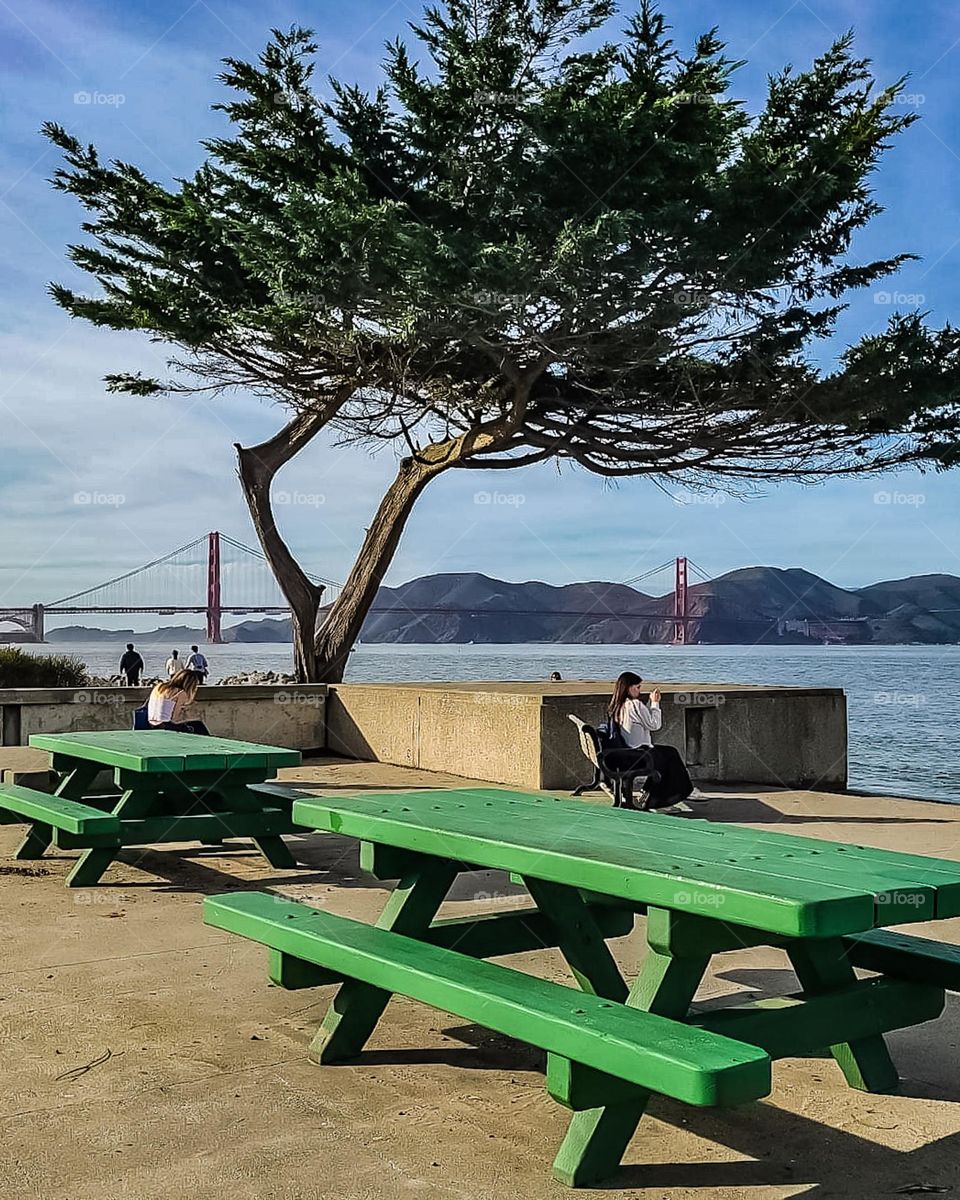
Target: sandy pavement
(145,1056)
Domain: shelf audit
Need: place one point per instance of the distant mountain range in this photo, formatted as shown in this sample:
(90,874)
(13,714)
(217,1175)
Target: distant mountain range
(756,604)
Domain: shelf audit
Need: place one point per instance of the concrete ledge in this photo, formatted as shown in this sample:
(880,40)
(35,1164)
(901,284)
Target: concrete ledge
(281,715)
(518,733)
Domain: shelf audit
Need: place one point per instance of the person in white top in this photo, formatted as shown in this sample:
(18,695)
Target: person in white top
(198,662)
(637,720)
(169,702)
(174,665)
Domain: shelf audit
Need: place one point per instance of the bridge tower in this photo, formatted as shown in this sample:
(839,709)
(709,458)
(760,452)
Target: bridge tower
(36,613)
(680,604)
(214,634)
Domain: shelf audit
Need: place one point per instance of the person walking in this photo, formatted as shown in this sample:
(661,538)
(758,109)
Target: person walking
(197,662)
(131,666)
(174,665)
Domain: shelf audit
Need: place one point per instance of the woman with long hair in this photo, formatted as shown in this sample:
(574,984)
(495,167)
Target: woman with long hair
(169,701)
(637,720)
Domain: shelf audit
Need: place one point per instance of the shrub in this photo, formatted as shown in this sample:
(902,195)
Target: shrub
(18,669)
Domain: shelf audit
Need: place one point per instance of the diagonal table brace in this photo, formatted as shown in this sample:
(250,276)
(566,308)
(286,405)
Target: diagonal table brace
(357,1007)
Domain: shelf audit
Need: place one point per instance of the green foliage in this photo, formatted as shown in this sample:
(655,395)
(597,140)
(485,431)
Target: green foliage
(18,669)
(527,249)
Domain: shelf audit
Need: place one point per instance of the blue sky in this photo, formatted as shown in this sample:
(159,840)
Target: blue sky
(92,484)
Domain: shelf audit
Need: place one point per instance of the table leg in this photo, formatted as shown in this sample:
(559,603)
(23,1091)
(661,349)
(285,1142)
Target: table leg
(71,787)
(275,850)
(596,1138)
(823,966)
(357,1007)
(92,863)
(579,939)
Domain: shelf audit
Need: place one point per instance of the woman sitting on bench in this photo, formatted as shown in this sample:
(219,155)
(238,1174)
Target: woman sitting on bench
(637,721)
(169,701)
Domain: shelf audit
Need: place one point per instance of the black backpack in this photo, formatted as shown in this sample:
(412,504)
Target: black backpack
(610,735)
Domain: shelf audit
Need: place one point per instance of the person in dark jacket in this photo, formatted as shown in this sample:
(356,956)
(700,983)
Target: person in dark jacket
(131,666)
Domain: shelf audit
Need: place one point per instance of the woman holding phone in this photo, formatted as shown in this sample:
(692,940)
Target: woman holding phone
(637,721)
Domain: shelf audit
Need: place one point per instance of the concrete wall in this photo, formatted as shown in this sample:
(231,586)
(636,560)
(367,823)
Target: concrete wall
(511,733)
(291,716)
(519,734)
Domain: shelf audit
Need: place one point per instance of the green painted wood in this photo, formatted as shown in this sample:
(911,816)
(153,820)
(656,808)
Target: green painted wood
(157,830)
(36,842)
(597,1137)
(56,811)
(614,860)
(90,867)
(492,935)
(649,1051)
(833,857)
(688,935)
(157,751)
(579,938)
(359,1004)
(275,850)
(898,895)
(293,974)
(906,957)
(824,967)
(791,1026)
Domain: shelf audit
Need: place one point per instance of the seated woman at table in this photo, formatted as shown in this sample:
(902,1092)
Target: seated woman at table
(169,701)
(637,721)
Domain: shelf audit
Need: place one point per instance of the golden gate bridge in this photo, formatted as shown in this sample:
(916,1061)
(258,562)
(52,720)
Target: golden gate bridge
(216,575)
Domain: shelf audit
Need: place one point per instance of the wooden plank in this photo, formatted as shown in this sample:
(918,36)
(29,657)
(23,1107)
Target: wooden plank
(795,1025)
(921,870)
(616,862)
(652,1052)
(900,896)
(56,811)
(160,750)
(908,887)
(155,830)
(906,957)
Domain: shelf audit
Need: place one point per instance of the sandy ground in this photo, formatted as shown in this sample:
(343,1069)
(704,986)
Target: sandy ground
(146,1057)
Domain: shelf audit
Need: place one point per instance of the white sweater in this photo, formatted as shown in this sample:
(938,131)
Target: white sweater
(637,720)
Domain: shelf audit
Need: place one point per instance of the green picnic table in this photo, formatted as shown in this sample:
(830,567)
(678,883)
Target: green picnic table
(173,787)
(705,888)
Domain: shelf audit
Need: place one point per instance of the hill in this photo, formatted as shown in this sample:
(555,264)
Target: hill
(747,606)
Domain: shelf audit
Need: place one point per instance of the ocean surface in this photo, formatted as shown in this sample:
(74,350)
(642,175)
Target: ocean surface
(904,714)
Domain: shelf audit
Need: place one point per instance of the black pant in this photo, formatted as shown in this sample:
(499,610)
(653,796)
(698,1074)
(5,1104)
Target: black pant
(185,727)
(674,783)
(133,678)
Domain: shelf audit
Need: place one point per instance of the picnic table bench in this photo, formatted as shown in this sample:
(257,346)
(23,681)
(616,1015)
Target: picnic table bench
(172,787)
(705,888)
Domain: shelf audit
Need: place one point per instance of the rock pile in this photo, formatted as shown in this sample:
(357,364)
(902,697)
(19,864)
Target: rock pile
(256,677)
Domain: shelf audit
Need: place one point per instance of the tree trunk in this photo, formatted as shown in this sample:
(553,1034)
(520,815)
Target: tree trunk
(346,615)
(257,466)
